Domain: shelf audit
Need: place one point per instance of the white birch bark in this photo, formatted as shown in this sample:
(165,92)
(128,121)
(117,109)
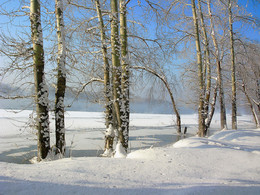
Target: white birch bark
(109,134)
(61,80)
(201,121)
(41,91)
(125,110)
(223,120)
(233,67)
(116,68)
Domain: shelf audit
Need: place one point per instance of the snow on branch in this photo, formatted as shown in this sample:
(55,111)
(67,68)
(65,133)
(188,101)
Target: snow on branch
(15,97)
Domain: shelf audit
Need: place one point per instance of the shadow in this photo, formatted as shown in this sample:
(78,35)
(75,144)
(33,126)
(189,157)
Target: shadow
(229,135)
(206,143)
(96,138)
(83,153)
(9,185)
(138,128)
(84,130)
(27,154)
(155,140)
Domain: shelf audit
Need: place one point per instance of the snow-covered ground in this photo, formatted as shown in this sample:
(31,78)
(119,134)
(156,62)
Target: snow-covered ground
(228,162)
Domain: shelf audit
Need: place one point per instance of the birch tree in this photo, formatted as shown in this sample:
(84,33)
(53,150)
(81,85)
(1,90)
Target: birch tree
(125,73)
(116,69)
(201,122)
(109,134)
(207,66)
(233,68)
(252,108)
(61,80)
(223,120)
(41,91)
(248,74)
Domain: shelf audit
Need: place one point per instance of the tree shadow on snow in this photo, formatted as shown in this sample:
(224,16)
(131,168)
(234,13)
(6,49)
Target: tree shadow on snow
(9,185)
(155,140)
(83,153)
(23,155)
(19,155)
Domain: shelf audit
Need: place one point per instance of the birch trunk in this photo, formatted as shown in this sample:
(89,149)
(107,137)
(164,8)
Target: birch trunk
(109,138)
(212,111)
(233,68)
(208,65)
(125,73)
(116,65)
(223,120)
(41,99)
(258,94)
(61,80)
(201,129)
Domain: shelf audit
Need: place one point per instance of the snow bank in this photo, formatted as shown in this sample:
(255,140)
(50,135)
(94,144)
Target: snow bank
(144,154)
(193,142)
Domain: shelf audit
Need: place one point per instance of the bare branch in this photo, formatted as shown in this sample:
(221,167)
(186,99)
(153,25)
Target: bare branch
(16,97)
(84,86)
(85,7)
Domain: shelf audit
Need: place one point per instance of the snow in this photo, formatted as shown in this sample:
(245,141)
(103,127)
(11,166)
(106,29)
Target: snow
(110,131)
(227,162)
(119,151)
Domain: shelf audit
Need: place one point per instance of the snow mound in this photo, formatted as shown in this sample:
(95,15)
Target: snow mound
(245,140)
(237,136)
(120,152)
(144,154)
(108,153)
(194,142)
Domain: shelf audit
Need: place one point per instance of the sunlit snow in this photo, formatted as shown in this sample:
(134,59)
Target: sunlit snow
(227,162)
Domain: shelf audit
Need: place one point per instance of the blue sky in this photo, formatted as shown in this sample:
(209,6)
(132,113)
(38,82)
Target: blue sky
(254,8)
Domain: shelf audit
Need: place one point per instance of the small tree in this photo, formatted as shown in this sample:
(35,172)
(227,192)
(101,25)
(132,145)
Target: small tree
(163,78)
(248,73)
